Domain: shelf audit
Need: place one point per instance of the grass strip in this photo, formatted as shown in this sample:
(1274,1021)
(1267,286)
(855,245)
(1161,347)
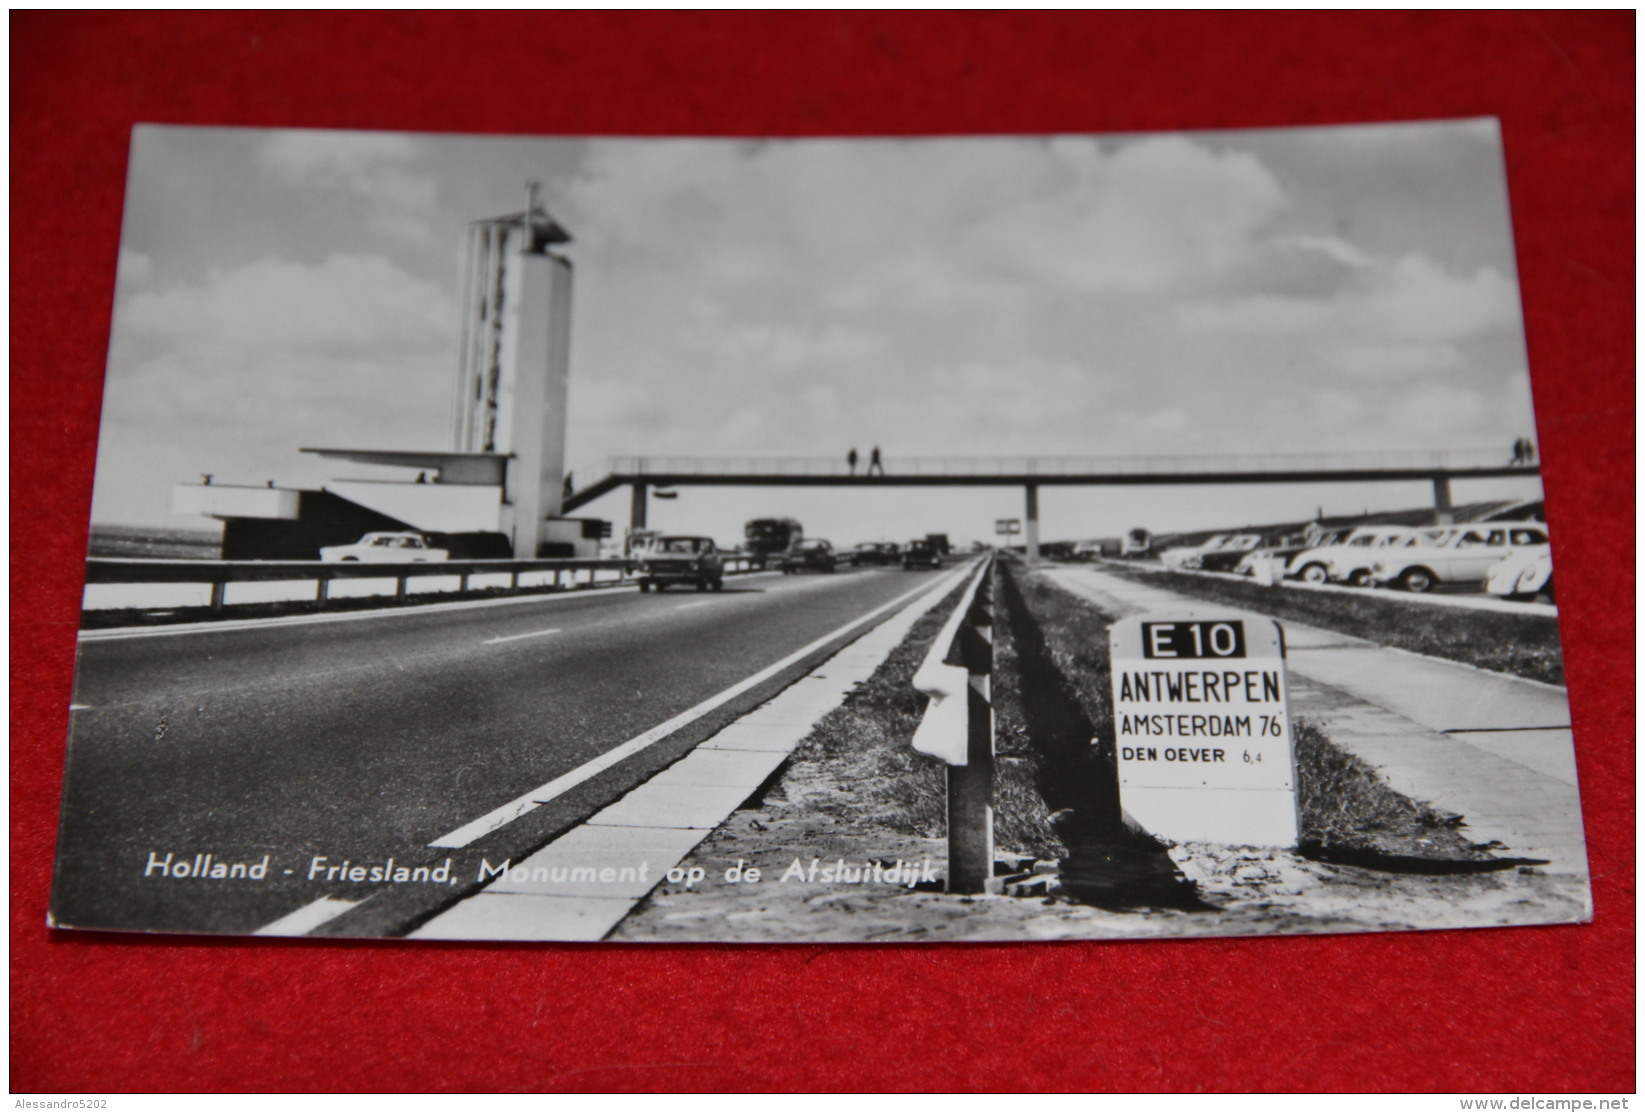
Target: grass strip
(1523,645)
(884,784)
(1342,801)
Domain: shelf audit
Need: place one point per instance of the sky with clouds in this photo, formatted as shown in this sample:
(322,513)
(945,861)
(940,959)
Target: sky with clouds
(1287,290)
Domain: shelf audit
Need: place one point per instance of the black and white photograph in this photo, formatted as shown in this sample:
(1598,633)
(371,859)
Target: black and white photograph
(818,540)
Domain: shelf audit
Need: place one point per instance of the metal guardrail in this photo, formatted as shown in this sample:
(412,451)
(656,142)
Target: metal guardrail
(218,574)
(958,727)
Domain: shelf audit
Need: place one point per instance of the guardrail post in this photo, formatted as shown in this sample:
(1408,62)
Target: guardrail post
(322,589)
(400,588)
(971,786)
(218,587)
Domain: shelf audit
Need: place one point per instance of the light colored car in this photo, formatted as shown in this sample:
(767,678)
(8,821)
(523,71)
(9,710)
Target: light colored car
(1225,556)
(1463,557)
(1523,574)
(1280,551)
(681,560)
(1349,560)
(1187,556)
(386,548)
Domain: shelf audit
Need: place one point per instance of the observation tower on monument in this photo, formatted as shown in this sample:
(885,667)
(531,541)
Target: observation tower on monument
(497,491)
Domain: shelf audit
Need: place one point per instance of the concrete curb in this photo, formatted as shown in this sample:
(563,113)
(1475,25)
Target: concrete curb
(558,892)
(1494,748)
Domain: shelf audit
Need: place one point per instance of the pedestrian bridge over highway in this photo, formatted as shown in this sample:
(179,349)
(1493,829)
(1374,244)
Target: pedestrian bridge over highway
(640,473)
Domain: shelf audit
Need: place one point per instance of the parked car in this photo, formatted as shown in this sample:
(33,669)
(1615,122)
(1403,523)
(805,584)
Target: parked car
(682,560)
(920,553)
(1462,558)
(1228,554)
(1281,551)
(874,552)
(1523,574)
(813,553)
(386,548)
(1182,555)
(1348,560)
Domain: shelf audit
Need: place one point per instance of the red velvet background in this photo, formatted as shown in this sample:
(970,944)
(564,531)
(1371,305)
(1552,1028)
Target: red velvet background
(1521,1010)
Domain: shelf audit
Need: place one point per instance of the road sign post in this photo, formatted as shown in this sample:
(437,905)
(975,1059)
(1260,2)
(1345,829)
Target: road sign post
(1202,729)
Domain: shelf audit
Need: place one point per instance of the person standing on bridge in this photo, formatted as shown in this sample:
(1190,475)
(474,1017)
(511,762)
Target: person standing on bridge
(851,461)
(874,465)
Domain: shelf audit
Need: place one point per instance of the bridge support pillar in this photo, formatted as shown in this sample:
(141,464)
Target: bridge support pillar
(1442,500)
(1031,524)
(637,507)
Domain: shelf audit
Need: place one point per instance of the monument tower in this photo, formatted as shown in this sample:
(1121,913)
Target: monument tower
(498,490)
(513,362)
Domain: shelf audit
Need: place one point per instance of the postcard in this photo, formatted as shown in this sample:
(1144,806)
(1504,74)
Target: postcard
(1045,537)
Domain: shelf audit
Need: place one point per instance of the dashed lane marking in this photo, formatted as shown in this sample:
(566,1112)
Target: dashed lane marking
(688,606)
(517,637)
(514,809)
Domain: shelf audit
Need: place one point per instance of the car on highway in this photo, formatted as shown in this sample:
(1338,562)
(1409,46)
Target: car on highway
(681,560)
(920,553)
(386,548)
(1462,558)
(1523,574)
(813,553)
(1349,559)
(874,552)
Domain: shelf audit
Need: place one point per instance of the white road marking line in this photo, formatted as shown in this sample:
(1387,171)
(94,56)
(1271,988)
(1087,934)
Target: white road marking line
(308,917)
(514,809)
(81,707)
(688,606)
(517,637)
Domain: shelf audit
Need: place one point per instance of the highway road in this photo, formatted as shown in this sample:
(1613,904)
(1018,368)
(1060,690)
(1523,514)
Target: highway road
(369,737)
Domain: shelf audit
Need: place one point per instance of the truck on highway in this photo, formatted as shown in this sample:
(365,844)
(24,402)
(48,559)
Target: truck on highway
(770,536)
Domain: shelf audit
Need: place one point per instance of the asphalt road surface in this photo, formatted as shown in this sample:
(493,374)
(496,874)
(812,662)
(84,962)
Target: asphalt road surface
(371,737)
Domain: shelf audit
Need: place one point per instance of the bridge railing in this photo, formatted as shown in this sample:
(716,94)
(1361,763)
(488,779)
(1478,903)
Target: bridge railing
(1053,466)
(550,575)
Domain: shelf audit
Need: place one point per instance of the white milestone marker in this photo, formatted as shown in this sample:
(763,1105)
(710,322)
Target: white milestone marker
(1202,730)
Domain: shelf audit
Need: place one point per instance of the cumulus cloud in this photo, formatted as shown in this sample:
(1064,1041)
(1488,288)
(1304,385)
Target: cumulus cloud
(377,171)
(133,269)
(348,300)
(943,220)
(1410,298)
(1404,319)
(949,292)
(252,362)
